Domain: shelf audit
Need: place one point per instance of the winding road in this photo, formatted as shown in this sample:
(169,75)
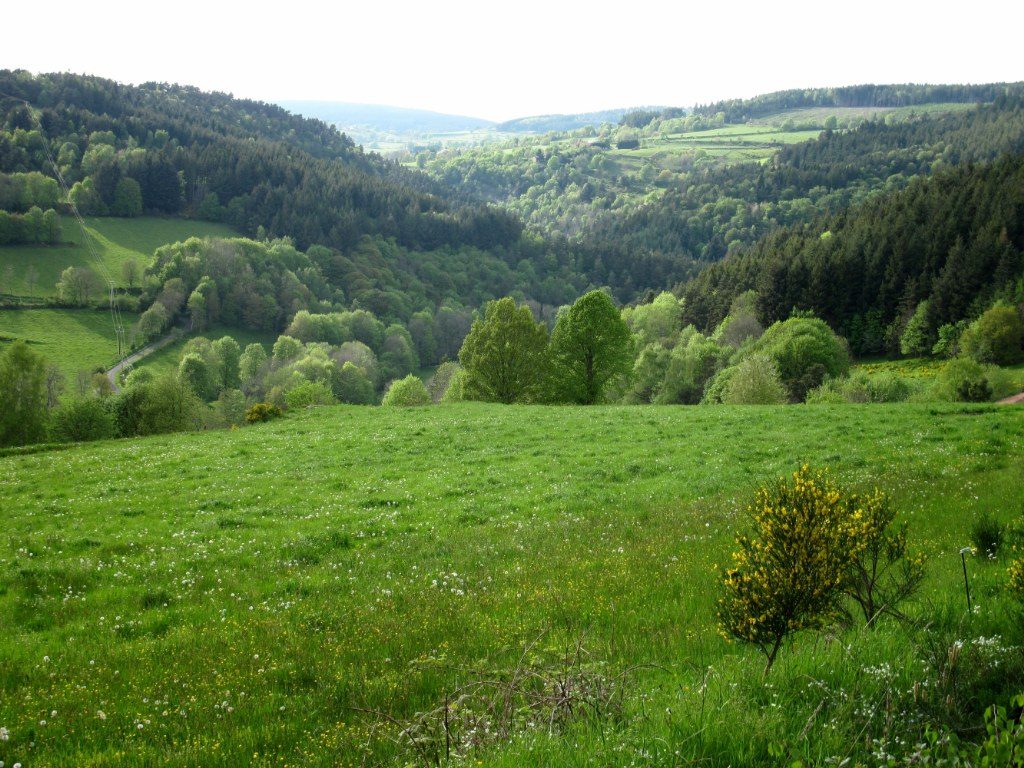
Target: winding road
(145,351)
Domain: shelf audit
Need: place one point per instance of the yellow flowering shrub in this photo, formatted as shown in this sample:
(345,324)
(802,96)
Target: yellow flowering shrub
(811,546)
(884,574)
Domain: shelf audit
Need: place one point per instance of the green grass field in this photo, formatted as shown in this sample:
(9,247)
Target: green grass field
(114,240)
(294,593)
(72,339)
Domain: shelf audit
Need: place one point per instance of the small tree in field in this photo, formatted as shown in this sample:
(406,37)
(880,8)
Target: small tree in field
(590,346)
(409,391)
(505,355)
(789,574)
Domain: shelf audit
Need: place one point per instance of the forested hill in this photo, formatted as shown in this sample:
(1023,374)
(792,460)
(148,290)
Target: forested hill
(874,96)
(955,241)
(251,164)
(720,206)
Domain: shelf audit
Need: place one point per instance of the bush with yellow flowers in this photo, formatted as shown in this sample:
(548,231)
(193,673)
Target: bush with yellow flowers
(884,573)
(812,545)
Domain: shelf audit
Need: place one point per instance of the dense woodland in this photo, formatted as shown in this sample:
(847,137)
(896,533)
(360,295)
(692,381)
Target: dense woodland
(693,208)
(178,151)
(954,240)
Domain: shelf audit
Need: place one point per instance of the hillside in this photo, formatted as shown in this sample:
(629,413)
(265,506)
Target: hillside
(173,150)
(35,269)
(686,190)
(561,123)
(954,241)
(375,561)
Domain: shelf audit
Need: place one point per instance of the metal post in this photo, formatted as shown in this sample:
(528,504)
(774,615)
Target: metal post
(967,585)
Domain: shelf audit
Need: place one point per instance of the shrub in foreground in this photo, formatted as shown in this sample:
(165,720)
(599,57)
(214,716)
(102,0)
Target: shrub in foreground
(409,391)
(81,420)
(812,546)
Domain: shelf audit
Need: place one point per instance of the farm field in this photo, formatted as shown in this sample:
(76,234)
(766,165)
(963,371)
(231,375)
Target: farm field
(72,339)
(115,240)
(295,593)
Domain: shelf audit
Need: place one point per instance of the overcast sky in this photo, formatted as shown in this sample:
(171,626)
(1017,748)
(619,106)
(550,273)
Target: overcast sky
(500,60)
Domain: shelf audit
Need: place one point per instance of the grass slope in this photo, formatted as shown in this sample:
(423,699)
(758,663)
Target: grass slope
(278,594)
(72,339)
(115,241)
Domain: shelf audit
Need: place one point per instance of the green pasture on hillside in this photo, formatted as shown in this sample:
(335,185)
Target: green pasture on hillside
(295,593)
(72,339)
(115,241)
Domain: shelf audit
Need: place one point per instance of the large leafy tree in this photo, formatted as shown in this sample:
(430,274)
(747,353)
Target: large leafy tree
(22,395)
(591,345)
(505,355)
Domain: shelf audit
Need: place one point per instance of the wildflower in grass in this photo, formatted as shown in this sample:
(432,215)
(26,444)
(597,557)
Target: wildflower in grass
(1016,582)
(5,735)
(789,576)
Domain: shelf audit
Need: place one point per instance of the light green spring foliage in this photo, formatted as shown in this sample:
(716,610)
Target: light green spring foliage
(250,365)
(441,381)
(694,360)
(995,337)
(410,391)
(308,394)
(590,347)
(917,340)
(22,395)
(805,350)
(286,349)
(659,321)
(82,419)
(353,385)
(505,355)
(755,382)
(456,391)
(859,387)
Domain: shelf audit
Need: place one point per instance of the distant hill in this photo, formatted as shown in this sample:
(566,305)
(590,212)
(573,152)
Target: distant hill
(870,95)
(545,123)
(387,119)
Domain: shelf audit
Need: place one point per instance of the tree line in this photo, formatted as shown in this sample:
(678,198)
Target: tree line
(954,241)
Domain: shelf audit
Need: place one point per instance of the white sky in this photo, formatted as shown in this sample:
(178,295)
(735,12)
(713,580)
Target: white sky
(512,59)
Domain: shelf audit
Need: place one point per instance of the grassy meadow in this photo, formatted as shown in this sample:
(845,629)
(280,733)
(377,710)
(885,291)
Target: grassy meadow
(114,240)
(72,339)
(300,593)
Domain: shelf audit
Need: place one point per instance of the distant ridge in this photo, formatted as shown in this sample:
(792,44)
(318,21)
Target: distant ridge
(384,118)
(545,123)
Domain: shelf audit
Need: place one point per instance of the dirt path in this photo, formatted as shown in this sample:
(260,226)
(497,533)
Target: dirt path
(1017,399)
(134,357)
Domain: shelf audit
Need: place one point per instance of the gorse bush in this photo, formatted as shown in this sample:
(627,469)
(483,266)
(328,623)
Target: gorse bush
(789,574)
(261,412)
(812,546)
(883,574)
